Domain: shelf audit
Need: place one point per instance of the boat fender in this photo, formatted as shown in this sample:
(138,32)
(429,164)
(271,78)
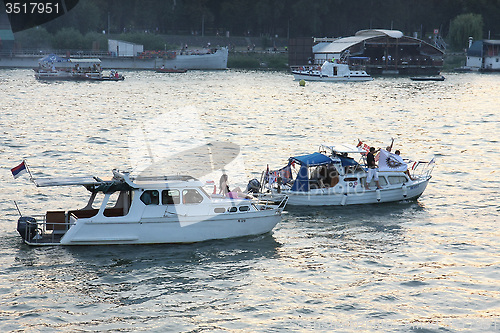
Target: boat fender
(344,199)
(378,195)
(405,190)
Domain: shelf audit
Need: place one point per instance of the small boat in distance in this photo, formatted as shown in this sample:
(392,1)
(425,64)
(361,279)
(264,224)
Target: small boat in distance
(331,178)
(329,72)
(113,76)
(171,70)
(147,210)
(427,78)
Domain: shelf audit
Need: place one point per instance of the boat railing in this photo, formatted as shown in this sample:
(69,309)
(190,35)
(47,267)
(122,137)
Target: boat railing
(305,68)
(422,169)
(269,201)
(51,231)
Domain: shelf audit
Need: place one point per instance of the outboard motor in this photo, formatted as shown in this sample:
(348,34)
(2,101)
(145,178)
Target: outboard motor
(253,186)
(26,226)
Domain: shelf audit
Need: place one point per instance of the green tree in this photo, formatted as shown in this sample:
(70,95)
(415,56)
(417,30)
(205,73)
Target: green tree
(34,38)
(464,26)
(68,39)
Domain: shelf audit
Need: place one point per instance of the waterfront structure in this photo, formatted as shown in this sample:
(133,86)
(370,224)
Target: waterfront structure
(379,51)
(483,55)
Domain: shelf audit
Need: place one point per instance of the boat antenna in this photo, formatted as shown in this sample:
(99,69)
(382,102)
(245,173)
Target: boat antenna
(18,210)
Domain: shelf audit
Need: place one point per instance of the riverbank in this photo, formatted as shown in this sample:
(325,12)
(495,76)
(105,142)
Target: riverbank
(267,60)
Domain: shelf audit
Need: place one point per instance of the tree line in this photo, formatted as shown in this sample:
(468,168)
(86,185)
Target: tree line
(282,18)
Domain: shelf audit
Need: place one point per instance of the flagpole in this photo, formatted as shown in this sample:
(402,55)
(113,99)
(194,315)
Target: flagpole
(15,203)
(29,171)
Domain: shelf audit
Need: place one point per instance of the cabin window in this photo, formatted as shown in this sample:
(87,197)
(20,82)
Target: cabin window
(118,204)
(393,180)
(150,197)
(244,208)
(219,210)
(170,197)
(381,180)
(232,209)
(191,196)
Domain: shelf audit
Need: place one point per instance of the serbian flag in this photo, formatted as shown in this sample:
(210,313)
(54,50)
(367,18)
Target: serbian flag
(363,146)
(19,170)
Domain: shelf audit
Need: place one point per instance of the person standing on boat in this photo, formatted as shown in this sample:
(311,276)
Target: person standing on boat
(372,169)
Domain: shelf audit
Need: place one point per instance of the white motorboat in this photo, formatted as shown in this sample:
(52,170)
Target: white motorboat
(147,210)
(329,72)
(331,178)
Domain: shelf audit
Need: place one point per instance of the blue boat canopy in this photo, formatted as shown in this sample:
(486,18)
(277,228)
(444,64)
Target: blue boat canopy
(301,182)
(311,160)
(346,161)
(52,58)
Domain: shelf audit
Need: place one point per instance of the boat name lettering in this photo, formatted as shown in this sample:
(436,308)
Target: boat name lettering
(242,220)
(413,187)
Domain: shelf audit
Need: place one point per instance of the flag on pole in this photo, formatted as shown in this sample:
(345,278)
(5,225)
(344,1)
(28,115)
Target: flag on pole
(19,170)
(391,162)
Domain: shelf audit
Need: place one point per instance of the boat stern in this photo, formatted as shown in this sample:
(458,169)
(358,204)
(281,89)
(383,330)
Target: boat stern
(27,227)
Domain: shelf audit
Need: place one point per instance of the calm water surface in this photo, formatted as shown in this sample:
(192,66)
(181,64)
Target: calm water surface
(430,265)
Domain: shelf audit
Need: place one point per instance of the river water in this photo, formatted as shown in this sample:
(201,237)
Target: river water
(430,265)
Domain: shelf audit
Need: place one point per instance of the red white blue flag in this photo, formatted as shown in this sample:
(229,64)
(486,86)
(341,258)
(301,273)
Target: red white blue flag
(19,170)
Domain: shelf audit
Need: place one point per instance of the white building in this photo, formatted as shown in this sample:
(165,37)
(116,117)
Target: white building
(121,48)
(483,55)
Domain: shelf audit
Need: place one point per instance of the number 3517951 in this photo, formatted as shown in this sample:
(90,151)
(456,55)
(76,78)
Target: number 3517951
(32,8)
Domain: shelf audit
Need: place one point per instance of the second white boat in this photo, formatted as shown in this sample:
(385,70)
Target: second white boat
(331,178)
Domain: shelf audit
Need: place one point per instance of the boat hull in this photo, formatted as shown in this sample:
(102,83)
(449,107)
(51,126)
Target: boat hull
(165,230)
(333,197)
(427,78)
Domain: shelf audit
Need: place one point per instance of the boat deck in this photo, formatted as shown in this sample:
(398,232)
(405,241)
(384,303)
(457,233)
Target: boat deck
(46,239)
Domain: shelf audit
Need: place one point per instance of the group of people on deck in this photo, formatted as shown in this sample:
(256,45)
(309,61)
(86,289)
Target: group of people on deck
(371,162)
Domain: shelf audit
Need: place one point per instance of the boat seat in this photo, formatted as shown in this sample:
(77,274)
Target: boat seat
(84,213)
(110,212)
(56,221)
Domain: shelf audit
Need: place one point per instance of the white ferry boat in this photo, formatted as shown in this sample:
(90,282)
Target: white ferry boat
(331,178)
(147,210)
(53,67)
(329,72)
